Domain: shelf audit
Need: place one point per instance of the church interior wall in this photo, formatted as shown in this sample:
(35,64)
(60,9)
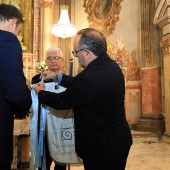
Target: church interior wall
(128,26)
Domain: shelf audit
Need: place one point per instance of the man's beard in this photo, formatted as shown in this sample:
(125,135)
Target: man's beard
(81,63)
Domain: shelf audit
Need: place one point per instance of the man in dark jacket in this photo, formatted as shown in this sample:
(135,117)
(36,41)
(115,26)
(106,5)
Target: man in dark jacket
(102,135)
(15,96)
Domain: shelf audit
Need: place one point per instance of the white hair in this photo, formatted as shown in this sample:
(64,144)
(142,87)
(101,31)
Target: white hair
(54,49)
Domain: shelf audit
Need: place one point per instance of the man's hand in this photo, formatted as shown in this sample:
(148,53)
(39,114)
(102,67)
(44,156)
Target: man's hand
(38,87)
(48,75)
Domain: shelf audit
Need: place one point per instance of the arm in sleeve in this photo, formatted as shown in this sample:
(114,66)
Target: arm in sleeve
(79,93)
(12,79)
(65,80)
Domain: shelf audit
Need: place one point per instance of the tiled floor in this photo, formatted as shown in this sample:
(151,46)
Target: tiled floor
(146,153)
(145,156)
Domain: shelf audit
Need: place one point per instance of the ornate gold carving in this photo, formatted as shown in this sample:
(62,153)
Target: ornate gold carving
(36,29)
(47,4)
(128,64)
(27,33)
(133,71)
(20,38)
(26,37)
(103,15)
(165,45)
(13,2)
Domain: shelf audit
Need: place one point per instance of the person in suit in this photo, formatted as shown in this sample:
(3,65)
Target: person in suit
(15,96)
(102,135)
(54,61)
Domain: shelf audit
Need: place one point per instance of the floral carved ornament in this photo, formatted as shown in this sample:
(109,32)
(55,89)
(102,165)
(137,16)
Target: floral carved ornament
(103,14)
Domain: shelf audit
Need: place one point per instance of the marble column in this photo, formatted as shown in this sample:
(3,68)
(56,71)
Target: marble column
(46,26)
(161,19)
(165,44)
(151,119)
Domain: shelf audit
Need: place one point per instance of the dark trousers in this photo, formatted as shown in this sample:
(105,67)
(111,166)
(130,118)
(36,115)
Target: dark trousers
(49,160)
(117,164)
(5,166)
(57,167)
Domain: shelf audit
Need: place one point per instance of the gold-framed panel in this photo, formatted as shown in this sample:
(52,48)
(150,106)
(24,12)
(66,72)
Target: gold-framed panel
(103,14)
(26,36)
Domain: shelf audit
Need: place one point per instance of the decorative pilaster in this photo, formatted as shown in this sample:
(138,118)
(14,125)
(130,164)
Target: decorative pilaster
(161,19)
(166,52)
(151,119)
(36,45)
(46,26)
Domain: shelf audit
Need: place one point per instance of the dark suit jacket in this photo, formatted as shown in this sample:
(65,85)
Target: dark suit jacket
(97,98)
(15,97)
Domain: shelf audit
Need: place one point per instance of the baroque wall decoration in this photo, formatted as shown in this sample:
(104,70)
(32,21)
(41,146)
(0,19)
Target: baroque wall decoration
(126,61)
(26,36)
(103,14)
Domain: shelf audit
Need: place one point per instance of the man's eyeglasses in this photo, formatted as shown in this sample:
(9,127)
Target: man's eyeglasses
(74,52)
(56,58)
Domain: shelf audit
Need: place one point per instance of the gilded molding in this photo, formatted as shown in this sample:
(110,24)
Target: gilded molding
(126,61)
(47,4)
(103,15)
(36,34)
(26,7)
(165,45)
(25,37)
